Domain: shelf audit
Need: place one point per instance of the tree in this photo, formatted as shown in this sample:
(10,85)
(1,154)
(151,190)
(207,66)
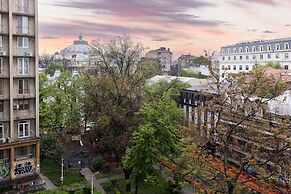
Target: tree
(114,94)
(157,138)
(273,65)
(239,110)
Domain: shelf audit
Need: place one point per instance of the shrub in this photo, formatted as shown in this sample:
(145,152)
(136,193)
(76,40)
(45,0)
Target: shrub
(99,163)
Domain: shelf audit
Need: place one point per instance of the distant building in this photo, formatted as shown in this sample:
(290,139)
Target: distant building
(185,61)
(76,56)
(165,59)
(243,56)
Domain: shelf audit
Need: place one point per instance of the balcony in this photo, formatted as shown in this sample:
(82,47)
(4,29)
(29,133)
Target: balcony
(23,52)
(22,30)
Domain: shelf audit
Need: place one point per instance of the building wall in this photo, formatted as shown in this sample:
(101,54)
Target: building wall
(242,57)
(19,104)
(165,59)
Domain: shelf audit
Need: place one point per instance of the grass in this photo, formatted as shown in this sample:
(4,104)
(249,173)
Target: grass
(144,188)
(52,170)
(108,173)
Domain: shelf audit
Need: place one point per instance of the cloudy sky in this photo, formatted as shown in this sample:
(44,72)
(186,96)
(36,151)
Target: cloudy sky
(185,26)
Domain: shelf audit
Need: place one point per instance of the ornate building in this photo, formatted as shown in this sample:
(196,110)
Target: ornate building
(76,56)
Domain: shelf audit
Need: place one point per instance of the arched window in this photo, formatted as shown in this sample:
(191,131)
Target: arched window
(234,50)
(240,50)
(269,48)
(286,46)
(222,51)
(277,47)
(254,49)
(261,48)
(247,49)
(228,50)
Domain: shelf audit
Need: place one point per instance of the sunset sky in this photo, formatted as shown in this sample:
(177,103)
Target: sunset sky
(185,26)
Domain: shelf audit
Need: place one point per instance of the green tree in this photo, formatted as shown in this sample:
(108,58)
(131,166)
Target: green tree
(157,138)
(115,93)
(273,65)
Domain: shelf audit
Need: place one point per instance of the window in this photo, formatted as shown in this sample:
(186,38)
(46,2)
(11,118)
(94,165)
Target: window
(22,5)
(240,67)
(222,75)
(22,42)
(1,132)
(229,58)
(269,56)
(240,50)
(286,67)
(247,57)
(269,47)
(277,56)
(234,67)
(234,58)
(240,57)
(222,67)
(228,50)
(22,24)
(261,48)
(23,64)
(1,41)
(223,58)
(228,68)
(286,46)
(247,49)
(23,86)
(1,106)
(286,55)
(247,67)
(261,56)
(254,57)
(277,47)
(23,129)
(234,50)
(23,104)
(1,87)
(1,66)
(254,49)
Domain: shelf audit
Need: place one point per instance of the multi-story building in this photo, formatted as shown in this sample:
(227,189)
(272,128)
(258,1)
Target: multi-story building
(164,57)
(19,117)
(244,55)
(185,61)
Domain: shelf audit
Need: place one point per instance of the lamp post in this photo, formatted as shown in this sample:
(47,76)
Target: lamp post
(62,170)
(92,188)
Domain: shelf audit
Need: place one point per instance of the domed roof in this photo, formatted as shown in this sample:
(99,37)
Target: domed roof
(79,46)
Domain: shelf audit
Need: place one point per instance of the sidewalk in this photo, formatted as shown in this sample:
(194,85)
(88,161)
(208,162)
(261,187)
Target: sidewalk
(97,182)
(48,183)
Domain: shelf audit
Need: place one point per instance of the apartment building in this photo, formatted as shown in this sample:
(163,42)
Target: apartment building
(164,57)
(19,117)
(241,57)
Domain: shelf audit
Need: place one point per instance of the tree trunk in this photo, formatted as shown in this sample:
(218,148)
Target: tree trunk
(230,187)
(127,173)
(136,184)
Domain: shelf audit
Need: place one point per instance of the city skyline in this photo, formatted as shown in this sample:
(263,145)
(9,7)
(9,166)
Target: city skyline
(185,26)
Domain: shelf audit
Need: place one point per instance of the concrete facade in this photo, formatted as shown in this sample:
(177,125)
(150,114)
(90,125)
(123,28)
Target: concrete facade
(19,102)
(164,57)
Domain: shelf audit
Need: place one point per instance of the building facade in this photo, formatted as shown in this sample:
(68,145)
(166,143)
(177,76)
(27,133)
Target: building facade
(186,61)
(241,57)
(19,103)
(164,56)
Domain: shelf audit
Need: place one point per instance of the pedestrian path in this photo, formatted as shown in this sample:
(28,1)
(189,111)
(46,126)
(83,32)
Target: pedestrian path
(48,183)
(87,173)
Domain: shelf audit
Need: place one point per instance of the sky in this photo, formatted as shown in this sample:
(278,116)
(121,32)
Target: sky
(185,26)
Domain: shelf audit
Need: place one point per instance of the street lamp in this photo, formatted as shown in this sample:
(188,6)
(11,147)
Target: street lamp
(62,170)
(92,188)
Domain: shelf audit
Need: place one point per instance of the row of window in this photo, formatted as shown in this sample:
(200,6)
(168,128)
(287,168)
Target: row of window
(254,57)
(23,129)
(23,87)
(241,67)
(22,24)
(22,105)
(22,42)
(254,49)
(22,66)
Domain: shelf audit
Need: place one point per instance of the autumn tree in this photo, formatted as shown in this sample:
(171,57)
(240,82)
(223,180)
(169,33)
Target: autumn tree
(243,132)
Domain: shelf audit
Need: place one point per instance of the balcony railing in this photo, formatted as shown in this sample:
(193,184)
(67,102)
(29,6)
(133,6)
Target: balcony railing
(22,30)
(22,9)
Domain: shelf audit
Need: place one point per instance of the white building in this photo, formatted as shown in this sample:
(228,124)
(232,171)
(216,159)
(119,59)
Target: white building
(164,56)
(244,55)
(76,56)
